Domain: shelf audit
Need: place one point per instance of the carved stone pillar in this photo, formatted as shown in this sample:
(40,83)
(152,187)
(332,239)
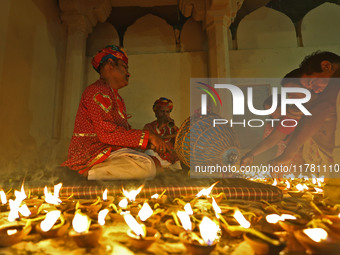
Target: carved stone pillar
(79,16)
(217,16)
(77,31)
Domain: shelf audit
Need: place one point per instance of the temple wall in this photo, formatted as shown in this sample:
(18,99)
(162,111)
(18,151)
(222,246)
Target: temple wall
(32,56)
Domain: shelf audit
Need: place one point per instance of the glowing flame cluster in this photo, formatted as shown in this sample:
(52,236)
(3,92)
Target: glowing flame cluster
(185,220)
(240,219)
(209,230)
(145,212)
(134,225)
(14,205)
(50,220)
(206,192)
(81,223)
(274,218)
(101,216)
(131,195)
(316,234)
(53,199)
(3,197)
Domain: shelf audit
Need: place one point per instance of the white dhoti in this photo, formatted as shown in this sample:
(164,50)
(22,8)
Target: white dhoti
(124,164)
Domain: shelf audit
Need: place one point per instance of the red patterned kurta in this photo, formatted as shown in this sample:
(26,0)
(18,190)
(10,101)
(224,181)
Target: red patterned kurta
(101,126)
(165,131)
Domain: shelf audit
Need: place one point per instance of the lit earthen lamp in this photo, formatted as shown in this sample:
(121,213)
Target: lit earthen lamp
(317,241)
(299,190)
(175,228)
(107,200)
(53,225)
(10,235)
(204,245)
(83,233)
(140,237)
(3,198)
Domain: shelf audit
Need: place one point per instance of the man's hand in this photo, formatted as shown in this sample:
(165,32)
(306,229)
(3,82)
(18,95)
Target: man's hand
(158,144)
(247,159)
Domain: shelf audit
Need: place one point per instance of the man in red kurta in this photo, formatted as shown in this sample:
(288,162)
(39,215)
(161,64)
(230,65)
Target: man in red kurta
(165,127)
(103,145)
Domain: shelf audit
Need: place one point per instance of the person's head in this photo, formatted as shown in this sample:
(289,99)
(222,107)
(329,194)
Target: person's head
(292,80)
(162,108)
(317,68)
(112,64)
(267,104)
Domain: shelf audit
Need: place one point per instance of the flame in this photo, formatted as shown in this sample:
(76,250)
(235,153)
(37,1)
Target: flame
(101,216)
(217,209)
(208,230)
(287,217)
(81,222)
(185,220)
(131,195)
(134,225)
(3,197)
(50,220)
(123,203)
(20,195)
(51,199)
(11,231)
(145,212)
(188,209)
(57,189)
(301,187)
(105,195)
(274,182)
(318,190)
(14,205)
(241,220)
(155,196)
(206,192)
(273,218)
(288,184)
(314,180)
(24,211)
(316,234)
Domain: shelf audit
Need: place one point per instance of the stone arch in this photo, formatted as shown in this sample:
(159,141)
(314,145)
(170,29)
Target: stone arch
(320,26)
(103,34)
(266,28)
(193,37)
(149,34)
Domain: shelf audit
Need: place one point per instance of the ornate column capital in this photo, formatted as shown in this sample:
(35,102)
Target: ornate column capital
(83,15)
(221,12)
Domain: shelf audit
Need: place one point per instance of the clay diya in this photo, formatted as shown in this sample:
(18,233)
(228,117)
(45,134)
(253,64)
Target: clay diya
(66,203)
(59,229)
(174,229)
(327,245)
(228,231)
(195,247)
(10,235)
(89,238)
(143,243)
(293,225)
(90,205)
(262,247)
(296,193)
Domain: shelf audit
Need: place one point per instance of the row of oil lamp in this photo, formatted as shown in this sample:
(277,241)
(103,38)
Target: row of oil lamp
(199,223)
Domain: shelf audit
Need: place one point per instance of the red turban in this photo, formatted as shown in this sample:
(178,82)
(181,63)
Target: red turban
(110,51)
(162,102)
